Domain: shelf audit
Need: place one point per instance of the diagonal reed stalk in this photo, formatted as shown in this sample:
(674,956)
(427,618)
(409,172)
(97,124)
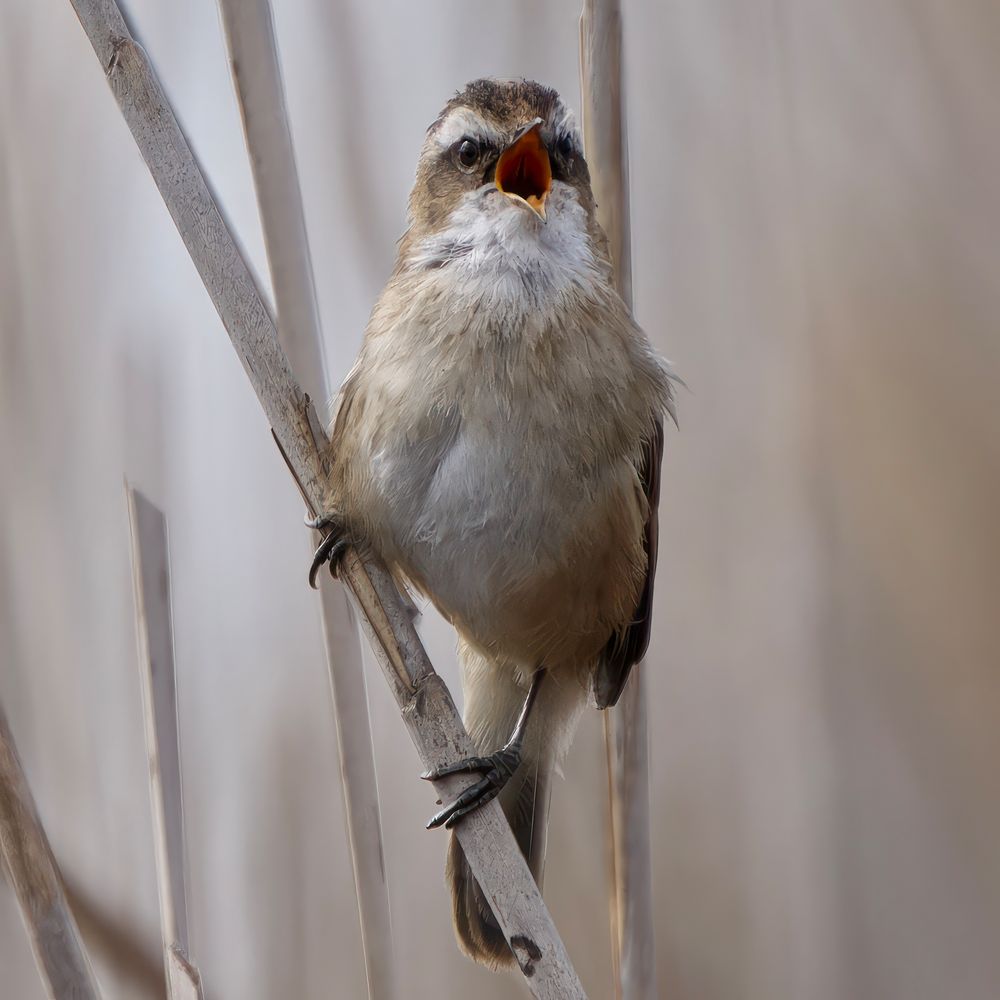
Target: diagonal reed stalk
(24,849)
(423,698)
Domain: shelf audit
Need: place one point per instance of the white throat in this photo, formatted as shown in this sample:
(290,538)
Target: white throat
(497,252)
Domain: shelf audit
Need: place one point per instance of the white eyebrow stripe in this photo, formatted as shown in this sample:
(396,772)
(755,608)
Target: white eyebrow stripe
(464,121)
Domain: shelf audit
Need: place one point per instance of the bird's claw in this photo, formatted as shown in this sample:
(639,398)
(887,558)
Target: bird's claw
(331,550)
(497,769)
(321,521)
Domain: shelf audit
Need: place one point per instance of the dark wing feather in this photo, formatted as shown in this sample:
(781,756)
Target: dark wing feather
(627,647)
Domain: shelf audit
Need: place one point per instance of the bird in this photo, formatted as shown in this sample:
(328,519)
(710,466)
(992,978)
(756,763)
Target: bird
(498,445)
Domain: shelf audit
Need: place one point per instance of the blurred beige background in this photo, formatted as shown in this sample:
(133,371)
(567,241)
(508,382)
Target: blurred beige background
(816,198)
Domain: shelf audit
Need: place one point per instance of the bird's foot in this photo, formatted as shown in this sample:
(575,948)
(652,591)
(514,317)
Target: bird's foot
(497,769)
(331,550)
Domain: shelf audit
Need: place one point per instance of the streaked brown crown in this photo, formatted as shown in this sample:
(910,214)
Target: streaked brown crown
(503,107)
(505,103)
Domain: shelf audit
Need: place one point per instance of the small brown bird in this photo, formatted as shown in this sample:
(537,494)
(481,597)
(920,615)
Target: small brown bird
(498,445)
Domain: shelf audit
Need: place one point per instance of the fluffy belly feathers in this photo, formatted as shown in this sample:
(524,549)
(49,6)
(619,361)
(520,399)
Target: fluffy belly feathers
(532,552)
(487,448)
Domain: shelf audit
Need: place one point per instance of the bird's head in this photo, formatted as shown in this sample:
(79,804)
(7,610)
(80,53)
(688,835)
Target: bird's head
(503,159)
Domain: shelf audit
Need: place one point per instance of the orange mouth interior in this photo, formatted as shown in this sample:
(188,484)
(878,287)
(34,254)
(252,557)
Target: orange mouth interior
(524,171)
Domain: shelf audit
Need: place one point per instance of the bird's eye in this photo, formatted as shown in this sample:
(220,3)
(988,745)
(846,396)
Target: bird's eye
(467,153)
(565,146)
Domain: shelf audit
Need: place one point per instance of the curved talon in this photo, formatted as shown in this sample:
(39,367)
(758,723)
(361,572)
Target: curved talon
(467,766)
(333,546)
(483,791)
(457,814)
(330,550)
(324,520)
(499,768)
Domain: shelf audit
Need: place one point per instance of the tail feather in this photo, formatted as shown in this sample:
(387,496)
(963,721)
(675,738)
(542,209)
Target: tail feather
(494,693)
(525,802)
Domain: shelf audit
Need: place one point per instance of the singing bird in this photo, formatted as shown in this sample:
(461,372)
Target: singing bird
(498,445)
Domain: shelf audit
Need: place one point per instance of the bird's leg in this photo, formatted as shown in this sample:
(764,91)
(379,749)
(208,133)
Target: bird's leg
(331,550)
(497,768)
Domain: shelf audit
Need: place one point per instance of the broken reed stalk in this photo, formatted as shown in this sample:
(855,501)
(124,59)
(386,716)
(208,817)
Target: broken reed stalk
(253,56)
(424,700)
(55,938)
(625,727)
(154,636)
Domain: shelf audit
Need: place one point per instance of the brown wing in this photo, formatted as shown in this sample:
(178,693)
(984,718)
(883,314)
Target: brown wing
(628,646)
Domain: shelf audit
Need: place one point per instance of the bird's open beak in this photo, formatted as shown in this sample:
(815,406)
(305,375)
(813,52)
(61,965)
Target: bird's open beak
(523,170)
